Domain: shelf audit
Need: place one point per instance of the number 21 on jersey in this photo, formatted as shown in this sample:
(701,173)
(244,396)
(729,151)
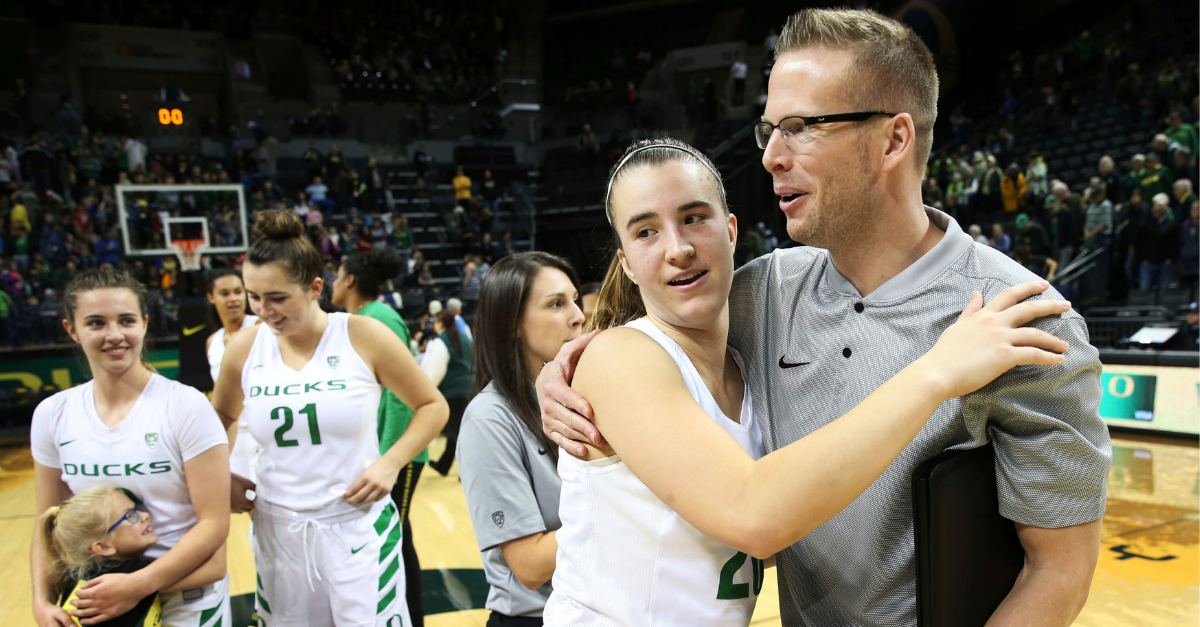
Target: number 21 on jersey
(285,414)
(729,591)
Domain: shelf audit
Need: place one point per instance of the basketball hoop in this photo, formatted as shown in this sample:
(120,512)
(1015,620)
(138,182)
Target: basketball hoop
(188,251)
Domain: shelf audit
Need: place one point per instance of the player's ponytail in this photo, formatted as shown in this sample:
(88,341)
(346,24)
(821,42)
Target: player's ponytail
(619,302)
(281,241)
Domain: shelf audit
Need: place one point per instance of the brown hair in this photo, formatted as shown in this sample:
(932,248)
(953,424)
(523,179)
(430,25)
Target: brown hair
(499,359)
(450,327)
(105,277)
(281,241)
(620,301)
(68,531)
(892,70)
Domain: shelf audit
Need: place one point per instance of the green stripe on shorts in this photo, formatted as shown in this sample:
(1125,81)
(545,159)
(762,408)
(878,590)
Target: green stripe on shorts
(391,541)
(262,601)
(385,601)
(385,518)
(388,573)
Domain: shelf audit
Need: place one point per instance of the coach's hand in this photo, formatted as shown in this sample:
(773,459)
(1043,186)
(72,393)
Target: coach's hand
(374,483)
(239,503)
(987,341)
(566,416)
(108,596)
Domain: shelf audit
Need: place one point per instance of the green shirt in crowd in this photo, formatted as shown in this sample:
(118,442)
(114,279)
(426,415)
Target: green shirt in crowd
(394,415)
(1185,135)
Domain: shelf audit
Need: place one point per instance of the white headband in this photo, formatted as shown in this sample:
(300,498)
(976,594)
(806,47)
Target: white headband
(690,151)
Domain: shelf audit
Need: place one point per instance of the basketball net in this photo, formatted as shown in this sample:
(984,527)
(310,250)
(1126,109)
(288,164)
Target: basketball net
(188,251)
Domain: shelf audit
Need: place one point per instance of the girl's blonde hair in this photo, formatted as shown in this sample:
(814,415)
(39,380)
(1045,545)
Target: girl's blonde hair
(68,531)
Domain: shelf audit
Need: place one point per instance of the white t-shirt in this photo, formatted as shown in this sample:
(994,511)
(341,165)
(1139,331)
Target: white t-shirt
(169,424)
(626,558)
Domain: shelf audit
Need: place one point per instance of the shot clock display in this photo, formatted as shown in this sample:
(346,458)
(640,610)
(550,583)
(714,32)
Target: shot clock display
(170,116)
(170,127)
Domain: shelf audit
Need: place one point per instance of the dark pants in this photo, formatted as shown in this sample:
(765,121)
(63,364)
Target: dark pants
(497,619)
(457,407)
(402,494)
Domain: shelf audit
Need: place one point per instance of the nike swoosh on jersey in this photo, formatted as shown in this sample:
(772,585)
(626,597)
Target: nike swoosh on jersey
(354,551)
(784,364)
(187,331)
(67,442)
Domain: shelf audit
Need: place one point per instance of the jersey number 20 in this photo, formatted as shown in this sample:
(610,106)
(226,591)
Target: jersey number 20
(729,591)
(314,431)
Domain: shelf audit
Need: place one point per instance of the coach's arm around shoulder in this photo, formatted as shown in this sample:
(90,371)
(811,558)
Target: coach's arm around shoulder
(1052,459)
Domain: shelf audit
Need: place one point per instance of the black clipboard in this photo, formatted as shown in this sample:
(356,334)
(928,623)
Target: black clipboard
(968,555)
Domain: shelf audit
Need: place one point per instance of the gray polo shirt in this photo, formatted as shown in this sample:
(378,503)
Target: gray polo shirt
(1053,451)
(512,489)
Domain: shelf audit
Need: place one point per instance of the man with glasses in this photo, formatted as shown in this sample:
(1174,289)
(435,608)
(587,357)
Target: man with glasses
(846,134)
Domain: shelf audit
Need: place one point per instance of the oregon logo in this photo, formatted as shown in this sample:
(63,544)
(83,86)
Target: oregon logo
(152,440)
(297,388)
(333,362)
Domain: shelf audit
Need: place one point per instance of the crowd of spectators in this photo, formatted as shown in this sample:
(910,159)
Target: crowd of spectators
(58,214)
(1141,217)
(412,51)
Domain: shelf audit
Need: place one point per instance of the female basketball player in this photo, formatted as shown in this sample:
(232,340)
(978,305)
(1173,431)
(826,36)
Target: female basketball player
(137,430)
(309,383)
(527,311)
(102,530)
(227,295)
(658,534)
(356,289)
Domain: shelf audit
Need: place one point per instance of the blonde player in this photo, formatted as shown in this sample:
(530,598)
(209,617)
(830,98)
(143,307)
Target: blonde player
(658,533)
(227,295)
(137,430)
(326,532)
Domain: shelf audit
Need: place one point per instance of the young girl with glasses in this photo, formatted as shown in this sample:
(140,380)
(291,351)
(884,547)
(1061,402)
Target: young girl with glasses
(103,530)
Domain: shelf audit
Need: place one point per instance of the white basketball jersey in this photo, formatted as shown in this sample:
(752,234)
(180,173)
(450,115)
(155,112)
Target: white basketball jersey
(245,451)
(144,453)
(216,347)
(317,425)
(626,558)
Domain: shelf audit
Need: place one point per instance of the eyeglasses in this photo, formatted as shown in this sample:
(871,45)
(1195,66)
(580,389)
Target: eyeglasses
(797,125)
(133,516)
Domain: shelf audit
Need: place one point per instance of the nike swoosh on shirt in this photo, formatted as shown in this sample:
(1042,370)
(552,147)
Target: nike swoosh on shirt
(784,364)
(187,331)
(67,442)
(354,551)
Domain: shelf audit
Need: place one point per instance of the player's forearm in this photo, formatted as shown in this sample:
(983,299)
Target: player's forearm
(1042,597)
(796,489)
(427,422)
(211,571)
(195,548)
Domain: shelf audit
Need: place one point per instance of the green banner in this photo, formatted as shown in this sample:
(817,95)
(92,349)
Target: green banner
(1128,396)
(69,370)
